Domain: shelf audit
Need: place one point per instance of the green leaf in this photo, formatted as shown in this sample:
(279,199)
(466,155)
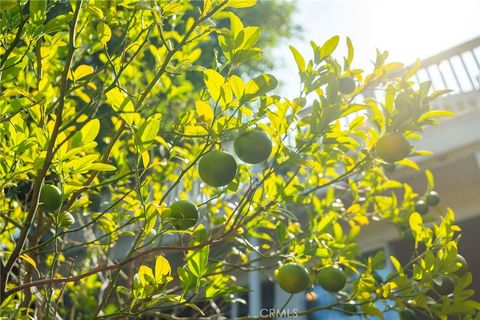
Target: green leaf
(236,26)
(438,93)
(436,114)
(103,32)
(351,51)
(80,72)
(86,135)
(204,111)
(162,269)
(412,70)
(281,232)
(200,235)
(415,222)
(241,3)
(58,23)
(101,167)
(430,179)
(187,279)
(237,85)
(96,11)
(147,133)
(37,11)
(259,86)
(197,261)
(397,265)
(214,81)
(378,261)
(121,103)
(146,275)
(328,47)
(409,163)
(28,259)
(298,59)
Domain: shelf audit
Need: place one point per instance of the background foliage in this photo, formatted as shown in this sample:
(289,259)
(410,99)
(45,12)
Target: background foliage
(116,101)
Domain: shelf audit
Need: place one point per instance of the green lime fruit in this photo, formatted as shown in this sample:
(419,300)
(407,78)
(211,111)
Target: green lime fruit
(392,147)
(253,147)
(443,285)
(350,308)
(293,277)
(346,85)
(421,207)
(332,279)
(183,214)
(389,167)
(217,168)
(432,198)
(50,198)
(463,266)
(407,314)
(65,220)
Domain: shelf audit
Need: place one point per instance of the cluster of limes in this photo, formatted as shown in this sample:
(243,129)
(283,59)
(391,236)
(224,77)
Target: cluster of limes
(218,168)
(50,200)
(432,199)
(294,277)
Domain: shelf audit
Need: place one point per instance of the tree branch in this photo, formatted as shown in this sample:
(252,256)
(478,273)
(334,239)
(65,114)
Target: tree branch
(48,158)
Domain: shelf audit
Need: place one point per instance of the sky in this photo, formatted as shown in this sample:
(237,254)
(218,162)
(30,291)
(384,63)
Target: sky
(407,29)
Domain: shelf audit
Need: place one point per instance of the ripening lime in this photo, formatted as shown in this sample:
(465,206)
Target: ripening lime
(332,279)
(392,147)
(65,220)
(462,263)
(421,207)
(217,168)
(432,198)
(50,198)
(183,214)
(253,146)
(407,314)
(443,285)
(293,277)
(346,85)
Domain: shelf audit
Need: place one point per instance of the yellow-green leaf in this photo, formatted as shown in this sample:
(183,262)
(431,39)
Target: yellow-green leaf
(146,275)
(298,59)
(237,85)
(80,72)
(204,110)
(416,224)
(436,114)
(213,81)
(162,269)
(397,265)
(241,3)
(103,32)
(90,131)
(408,163)
(121,103)
(101,167)
(29,260)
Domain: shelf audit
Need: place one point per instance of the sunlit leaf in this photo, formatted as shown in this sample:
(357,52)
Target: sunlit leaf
(103,32)
(162,269)
(80,72)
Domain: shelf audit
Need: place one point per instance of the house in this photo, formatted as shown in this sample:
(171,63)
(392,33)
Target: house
(455,163)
